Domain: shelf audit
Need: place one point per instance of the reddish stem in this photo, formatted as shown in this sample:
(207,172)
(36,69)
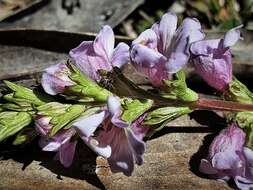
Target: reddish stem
(213,104)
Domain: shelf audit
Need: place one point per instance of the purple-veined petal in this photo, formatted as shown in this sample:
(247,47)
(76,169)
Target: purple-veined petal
(147,38)
(150,63)
(167,28)
(120,55)
(137,145)
(231,138)
(216,72)
(146,57)
(104,43)
(232,36)
(86,126)
(88,61)
(67,153)
(243,183)
(122,159)
(205,47)
(187,33)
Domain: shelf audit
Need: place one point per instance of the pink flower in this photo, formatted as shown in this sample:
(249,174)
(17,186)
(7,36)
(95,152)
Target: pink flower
(213,61)
(120,142)
(55,79)
(64,145)
(91,56)
(164,49)
(228,158)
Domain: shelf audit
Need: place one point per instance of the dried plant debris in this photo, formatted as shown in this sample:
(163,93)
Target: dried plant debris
(11,7)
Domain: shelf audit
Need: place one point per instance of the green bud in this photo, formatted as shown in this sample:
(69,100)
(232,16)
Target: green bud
(86,87)
(177,89)
(64,119)
(245,121)
(238,92)
(13,122)
(22,95)
(52,109)
(161,116)
(134,108)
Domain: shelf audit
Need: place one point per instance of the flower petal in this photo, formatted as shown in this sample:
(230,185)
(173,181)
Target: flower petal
(176,62)
(88,61)
(137,145)
(113,104)
(216,72)
(67,153)
(55,79)
(146,57)
(243,183)
(86,126)
(187,33)
(104,43)
(204,47)
(232,36)
(167,28)
(117,121)
(120,55)
(147,38)
(42,125)
(122,159)
(97,145)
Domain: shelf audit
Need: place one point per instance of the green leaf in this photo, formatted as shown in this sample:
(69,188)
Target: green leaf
(62,120)
(134,108)
(13,122)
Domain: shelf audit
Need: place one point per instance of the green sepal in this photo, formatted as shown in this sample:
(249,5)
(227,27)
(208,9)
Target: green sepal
(23,94)
(26,135)
(13,122)
(52,109)
(86,87)
(177,89)
(238,92)
(15,107)
(162,116)
(245,121)
(62,120)
(132,109)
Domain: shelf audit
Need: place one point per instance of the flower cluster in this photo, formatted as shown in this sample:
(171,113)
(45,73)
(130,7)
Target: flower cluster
(114,125)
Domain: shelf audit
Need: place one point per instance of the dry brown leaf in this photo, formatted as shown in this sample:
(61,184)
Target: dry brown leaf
(11,7)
